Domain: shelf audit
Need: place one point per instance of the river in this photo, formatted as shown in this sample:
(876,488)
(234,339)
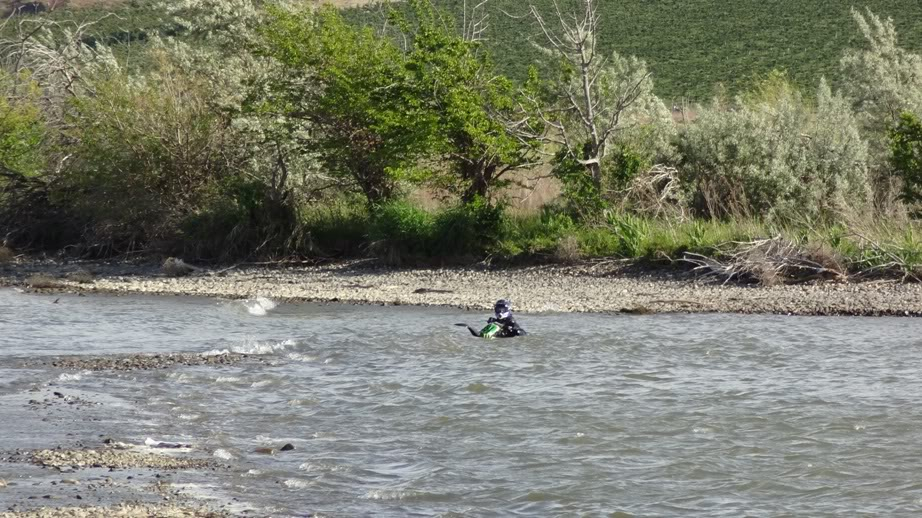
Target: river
(393,411)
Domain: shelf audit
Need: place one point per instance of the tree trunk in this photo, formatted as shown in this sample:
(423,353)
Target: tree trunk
(481,175)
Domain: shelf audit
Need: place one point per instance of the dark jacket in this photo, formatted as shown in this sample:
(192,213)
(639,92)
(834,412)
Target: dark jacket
(510,327)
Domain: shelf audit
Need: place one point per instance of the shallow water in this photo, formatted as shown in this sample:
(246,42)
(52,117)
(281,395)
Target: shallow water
(395,412)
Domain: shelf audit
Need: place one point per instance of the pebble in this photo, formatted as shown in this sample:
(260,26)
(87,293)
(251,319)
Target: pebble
(147,362)
(112,459)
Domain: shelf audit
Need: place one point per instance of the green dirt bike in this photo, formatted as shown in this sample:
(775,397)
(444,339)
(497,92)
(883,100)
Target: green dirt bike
(490,331)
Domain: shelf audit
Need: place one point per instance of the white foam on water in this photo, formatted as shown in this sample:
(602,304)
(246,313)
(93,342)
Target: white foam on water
(223,454)
(254,472)
(298,357)
(322,467)
(258,384)
(253,347)
(260,306)
(256,347)
(298,484)
(227,379)
(389,494)
(214,494)
(72,377)
(189,417)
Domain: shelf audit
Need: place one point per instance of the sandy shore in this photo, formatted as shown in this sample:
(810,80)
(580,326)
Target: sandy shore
(605,287)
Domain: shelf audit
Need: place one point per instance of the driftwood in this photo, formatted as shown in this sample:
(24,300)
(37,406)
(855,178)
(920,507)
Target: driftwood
(767,262)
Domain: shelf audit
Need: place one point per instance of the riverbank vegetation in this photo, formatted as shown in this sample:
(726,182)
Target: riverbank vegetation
(269,131)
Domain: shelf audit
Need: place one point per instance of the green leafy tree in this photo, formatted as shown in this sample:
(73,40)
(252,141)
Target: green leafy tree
(482,132)
(346,96)
(906,159)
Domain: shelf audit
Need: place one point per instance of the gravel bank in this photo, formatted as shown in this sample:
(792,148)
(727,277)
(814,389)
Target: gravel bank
(135,362)
(113,459)
(587,288)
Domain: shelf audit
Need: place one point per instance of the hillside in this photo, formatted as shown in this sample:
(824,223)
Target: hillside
(692,45)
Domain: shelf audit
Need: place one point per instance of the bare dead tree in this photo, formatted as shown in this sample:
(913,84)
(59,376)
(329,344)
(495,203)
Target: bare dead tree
(474,20)
(56,55)
(592,103)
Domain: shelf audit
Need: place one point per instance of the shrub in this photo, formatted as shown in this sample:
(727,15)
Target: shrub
(6,255)
(336,227)
(906,156)
(882,79)
(149,155)
(536,235)
(22,129)
(773,153)
(568,250)
(468,229)
(400,231)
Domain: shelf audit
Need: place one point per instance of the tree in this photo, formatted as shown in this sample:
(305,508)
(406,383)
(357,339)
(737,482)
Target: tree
(344,93)
(596,98)
(479,123)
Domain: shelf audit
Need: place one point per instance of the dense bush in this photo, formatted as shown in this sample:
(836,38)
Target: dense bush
(882,78)
(774,153)
(22,127)
(402,232)
(148,154)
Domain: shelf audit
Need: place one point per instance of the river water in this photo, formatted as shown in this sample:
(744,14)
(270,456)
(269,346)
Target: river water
(393,411)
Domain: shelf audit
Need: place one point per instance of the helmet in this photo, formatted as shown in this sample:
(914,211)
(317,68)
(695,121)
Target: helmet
(502,309)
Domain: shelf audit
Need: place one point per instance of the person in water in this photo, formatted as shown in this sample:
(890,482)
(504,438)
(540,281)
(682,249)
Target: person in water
(502,312)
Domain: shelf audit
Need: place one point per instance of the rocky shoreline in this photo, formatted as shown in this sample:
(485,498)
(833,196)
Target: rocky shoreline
(86,478)
(605,287)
